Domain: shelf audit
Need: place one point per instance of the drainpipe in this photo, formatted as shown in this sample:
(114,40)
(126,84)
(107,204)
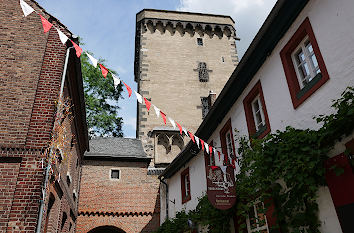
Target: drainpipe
(162,181)
(41,207)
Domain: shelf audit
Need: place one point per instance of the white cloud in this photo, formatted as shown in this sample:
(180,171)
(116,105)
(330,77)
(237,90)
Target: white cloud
(247,14)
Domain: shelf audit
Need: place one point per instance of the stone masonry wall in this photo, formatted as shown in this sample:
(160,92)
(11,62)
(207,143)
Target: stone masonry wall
(168,75)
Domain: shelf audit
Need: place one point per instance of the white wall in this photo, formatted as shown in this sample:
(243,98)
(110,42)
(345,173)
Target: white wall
(332,23)
(197,185)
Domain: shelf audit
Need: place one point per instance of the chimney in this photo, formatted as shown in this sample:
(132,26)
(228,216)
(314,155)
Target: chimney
(211,98)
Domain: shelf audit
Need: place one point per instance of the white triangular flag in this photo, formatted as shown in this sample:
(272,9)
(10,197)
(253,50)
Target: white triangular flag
(206,147)
(93,60)
(173,123)
(27,9)
(138,97)
(196,140)
(185,131)
(157,111)
(116,80)
(63,38)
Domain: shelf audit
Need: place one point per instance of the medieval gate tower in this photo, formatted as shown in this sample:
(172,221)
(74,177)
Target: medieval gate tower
(182,62)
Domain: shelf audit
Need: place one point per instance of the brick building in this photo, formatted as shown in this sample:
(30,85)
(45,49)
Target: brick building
(117,194)
(31,77)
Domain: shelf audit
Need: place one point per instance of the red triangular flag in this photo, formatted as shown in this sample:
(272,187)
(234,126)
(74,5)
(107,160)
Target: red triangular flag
(191,136)
(104,70)
(180,128)
(219,155)
(147,103)
(163,116)
(211,150)
(202,142)
(128,89)
(214,167)
(46,25)
(77,48)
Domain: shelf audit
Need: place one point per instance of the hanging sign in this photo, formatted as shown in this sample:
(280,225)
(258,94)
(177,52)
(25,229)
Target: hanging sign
(221,188)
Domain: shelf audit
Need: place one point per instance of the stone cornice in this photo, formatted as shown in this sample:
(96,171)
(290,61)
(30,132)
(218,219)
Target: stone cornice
(190,27)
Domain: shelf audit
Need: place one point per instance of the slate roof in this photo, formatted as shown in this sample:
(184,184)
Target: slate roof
(116,148)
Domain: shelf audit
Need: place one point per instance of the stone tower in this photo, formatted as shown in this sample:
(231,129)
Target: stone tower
(182,62)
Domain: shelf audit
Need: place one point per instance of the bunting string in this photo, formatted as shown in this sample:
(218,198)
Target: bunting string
(210,150)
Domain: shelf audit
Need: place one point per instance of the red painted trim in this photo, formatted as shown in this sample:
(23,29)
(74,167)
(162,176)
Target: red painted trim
(227,127)
(183,191)
(291,77)
(340,186)
(256,90)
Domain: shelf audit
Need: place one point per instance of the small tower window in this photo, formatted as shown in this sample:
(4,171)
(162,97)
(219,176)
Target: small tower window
(205,106)
(200,41)
(115,174)
(203,72)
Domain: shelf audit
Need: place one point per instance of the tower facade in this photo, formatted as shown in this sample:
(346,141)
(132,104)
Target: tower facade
(182,62)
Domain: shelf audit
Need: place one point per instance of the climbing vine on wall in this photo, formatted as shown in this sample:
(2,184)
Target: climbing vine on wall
(285,168)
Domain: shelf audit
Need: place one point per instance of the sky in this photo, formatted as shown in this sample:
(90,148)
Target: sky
(108,31)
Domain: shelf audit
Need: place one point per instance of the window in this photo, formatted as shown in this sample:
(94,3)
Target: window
(257,220)
(63,220)
(205,106)
(203,72)
(185,186)
(227,142)
(303,64)
(68,178)
(200,41)
(256,112)
(258,115)
(115,174)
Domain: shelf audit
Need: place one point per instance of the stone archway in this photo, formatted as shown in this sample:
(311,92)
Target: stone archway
(106,229)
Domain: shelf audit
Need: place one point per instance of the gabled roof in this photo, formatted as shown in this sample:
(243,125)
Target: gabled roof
(117,149)
(275,26)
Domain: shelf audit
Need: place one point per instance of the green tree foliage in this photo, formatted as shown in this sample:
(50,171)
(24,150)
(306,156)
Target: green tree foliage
(101,99)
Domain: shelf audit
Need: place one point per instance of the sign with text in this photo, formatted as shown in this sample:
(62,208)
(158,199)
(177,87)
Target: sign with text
(221,188)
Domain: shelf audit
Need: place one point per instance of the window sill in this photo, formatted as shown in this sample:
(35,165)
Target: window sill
(309,86)
(186,199)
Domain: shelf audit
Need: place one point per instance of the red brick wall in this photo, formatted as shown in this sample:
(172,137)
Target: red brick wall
(32,65)
(130,203)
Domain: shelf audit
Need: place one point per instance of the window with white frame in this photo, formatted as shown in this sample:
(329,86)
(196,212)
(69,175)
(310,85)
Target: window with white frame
(258,114)
(186,185)
(257,220)
(228,143)
(115,174)
(305,62)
